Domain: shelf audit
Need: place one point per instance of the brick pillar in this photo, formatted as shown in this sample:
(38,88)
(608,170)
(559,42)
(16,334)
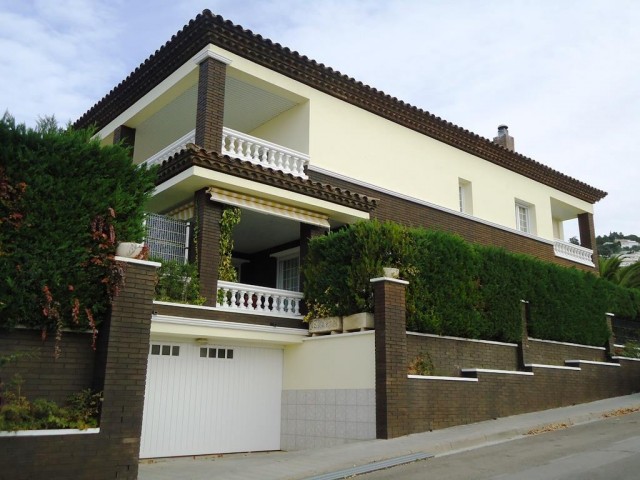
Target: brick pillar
(207,238)
(588,234)
(307,232)
(523,344)
(210,107)
(609,346)
(391,357)
(125,371)
(126,135)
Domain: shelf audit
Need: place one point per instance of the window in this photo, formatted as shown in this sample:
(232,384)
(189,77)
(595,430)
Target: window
(288,269)
(165,350)
(523,218)
(217,353)
(465,198)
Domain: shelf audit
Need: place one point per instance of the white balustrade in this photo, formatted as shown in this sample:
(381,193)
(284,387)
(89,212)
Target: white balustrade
(172,149)
(240,297)
(573,252)
(261,152)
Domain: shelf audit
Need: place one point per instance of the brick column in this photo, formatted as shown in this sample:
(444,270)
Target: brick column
(391,357)
(588,234)
(207,239)
(307,232)
(210,107)
(523,344)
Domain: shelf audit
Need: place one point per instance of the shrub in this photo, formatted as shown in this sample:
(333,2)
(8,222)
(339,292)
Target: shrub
(69,200)
(178,282)
(456,288)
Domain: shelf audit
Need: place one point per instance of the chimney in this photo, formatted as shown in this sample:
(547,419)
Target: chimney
(504,138)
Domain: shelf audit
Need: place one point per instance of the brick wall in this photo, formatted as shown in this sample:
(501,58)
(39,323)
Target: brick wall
(449,355)
(113,452)
(210,107)
(44,375)
(410,213)
(555,353)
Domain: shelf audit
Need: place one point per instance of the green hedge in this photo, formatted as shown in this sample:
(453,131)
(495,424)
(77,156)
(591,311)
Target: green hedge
(70,201)
(456,288)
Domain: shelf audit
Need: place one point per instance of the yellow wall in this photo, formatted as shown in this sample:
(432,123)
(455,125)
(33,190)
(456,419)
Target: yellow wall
(331,362)
(290,129)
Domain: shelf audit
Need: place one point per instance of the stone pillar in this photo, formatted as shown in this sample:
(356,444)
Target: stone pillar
(307,232)
(210,107)
(391,357)
(588,234)
(523,344)
(609,346)
(207,240)
(126,136)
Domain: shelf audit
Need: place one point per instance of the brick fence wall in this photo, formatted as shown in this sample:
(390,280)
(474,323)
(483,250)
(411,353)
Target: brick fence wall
(113,452)
(44,375)
(494,385)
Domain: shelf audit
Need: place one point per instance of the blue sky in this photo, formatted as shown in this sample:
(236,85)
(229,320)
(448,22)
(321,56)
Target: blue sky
(562,75)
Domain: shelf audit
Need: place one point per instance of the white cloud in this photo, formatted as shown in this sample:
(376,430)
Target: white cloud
(562,75)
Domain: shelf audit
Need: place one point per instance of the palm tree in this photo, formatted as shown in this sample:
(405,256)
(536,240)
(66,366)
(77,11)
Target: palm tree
(611,270)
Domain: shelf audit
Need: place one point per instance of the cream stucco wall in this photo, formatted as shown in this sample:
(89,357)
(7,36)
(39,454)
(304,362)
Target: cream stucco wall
(352,142)
(174,120)
(290,129)
(331,362)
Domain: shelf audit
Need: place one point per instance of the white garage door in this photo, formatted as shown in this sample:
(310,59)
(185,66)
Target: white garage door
(211,399)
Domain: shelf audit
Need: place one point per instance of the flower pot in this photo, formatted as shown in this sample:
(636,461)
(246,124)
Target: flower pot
(391,272)
(322,326)
(358,322)
(129,249)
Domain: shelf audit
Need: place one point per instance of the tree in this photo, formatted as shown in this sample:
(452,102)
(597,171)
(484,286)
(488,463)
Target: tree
(64,202)
(611,270)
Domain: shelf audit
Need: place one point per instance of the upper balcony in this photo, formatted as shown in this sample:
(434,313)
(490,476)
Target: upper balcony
(245,147)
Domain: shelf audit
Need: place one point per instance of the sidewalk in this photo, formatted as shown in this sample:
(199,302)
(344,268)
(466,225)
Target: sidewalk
(309,463)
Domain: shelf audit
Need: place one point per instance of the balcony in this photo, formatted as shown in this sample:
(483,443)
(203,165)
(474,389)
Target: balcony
(573,252)
(245,147)
(243,298)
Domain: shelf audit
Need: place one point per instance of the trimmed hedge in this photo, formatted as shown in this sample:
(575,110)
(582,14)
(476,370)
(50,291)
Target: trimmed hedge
(457,288)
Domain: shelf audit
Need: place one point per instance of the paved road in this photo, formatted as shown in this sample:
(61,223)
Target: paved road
(607,449)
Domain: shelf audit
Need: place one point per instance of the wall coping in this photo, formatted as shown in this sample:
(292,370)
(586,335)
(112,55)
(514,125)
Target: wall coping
(138,262)
(566,343)
(475,340)
(558,367)
(593,362)
(490,370)
(436,377)
(337,336)
(626,358)
(389,279)
(51,432)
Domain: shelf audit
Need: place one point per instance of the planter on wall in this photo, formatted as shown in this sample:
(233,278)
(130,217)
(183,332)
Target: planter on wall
(322,326)
(129,249)
(358,322)
(390,272)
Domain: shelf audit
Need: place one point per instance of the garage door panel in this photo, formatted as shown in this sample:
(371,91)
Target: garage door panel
(198,404)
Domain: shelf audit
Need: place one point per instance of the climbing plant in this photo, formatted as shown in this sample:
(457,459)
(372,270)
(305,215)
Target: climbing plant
(230,218)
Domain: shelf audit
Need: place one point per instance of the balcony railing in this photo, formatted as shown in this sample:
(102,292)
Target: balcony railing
(573,252)
(172,149)
(247,148)
(240,297)
(261,152)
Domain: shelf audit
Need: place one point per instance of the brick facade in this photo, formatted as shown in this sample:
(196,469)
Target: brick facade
(410,213)
(210,107)
(126,135)
(113,452)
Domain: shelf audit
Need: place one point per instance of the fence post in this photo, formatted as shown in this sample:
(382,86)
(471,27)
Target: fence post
(392,418)
(611,340)
(523,344)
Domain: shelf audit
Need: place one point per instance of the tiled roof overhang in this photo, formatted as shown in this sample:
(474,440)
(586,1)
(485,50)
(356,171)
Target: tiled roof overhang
(194,156)
(207,28)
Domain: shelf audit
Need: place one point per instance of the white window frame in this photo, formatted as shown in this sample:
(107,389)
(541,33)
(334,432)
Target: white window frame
(465,196)
(284,256)
(527,226)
